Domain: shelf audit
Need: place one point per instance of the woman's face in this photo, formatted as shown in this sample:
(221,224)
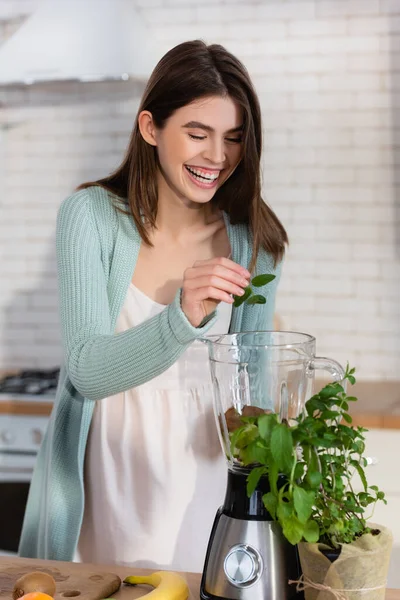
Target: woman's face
(199,147)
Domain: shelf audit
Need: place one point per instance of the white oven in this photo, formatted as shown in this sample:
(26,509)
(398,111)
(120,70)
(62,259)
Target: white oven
(20,438)
(26,399)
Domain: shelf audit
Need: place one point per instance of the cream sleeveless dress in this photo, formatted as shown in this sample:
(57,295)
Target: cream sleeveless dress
(155,473)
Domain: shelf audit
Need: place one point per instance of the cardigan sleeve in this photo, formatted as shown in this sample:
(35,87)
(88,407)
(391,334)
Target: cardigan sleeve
(100,363)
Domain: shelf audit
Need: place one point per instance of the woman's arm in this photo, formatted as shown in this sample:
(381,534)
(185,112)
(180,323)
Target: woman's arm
(99,362)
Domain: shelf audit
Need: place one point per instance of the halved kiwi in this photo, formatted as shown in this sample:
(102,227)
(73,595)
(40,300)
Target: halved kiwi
(36,581)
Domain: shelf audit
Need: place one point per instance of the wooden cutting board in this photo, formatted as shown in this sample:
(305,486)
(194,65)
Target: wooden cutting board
(77,583)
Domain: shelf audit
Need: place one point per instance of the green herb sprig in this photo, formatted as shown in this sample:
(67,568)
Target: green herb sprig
(310,465)
(249,297)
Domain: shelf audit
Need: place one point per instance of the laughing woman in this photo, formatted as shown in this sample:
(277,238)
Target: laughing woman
(130,470)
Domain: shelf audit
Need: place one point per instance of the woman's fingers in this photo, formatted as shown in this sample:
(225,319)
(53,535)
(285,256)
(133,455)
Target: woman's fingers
(218,270)
(213,282)
(225,263)
(209,282)
(209,292)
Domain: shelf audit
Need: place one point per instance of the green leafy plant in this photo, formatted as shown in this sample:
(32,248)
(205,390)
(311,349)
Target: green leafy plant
(310,464)
(249,297)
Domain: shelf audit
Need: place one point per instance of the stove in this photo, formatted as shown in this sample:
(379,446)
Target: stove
(30,383)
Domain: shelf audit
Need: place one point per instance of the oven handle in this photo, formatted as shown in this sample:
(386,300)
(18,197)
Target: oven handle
(12,452)
(15,475)
(15,469)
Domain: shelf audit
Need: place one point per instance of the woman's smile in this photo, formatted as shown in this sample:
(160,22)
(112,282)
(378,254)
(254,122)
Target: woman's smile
(203,177)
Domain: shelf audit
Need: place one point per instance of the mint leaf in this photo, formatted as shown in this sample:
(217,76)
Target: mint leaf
(234,437)
(361,474)
(284,510)
(303,503)
(255,452)
(261,280)
(332,389)
(314,478)
(293,530)
(266,423)
(240,299)
(246,435)
(311,532)
(257,299)
(270,502)
(282,447)
(253,479)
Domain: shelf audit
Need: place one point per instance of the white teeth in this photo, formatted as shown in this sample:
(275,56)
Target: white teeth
(199,174)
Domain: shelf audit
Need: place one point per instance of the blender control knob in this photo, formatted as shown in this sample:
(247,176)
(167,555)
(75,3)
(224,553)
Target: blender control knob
(243,565)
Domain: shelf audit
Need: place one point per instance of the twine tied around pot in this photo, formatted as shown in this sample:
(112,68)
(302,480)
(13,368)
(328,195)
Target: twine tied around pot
(305,582)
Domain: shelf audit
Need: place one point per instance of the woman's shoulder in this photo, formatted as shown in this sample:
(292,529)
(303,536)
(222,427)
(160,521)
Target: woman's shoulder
(96,214)
(90,201)
(92,208)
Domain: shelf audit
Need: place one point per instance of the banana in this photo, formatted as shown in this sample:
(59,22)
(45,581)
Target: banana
(168,585)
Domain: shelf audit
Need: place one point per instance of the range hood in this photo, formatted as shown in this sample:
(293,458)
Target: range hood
(84,40)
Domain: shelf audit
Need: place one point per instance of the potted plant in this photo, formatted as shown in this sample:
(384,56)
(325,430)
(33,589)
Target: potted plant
(310,463)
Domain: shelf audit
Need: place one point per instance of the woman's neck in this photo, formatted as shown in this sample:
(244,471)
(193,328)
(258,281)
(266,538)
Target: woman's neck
(178,218)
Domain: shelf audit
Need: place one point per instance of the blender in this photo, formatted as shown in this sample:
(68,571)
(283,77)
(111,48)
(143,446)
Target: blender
(253,373)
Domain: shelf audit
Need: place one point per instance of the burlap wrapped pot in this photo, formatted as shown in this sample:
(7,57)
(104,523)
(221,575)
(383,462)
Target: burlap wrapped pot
(360,572)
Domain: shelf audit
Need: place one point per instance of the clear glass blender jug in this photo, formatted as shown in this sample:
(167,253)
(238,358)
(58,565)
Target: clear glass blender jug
(262,371)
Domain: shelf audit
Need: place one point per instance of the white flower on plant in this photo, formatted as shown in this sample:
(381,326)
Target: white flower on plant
(299,453)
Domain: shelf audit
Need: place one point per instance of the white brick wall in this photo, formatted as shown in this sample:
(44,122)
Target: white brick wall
(328,77)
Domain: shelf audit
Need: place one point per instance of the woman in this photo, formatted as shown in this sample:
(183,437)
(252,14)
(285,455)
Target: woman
(149,258)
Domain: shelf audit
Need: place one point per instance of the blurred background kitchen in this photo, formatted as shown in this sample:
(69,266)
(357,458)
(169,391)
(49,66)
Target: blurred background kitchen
(328,76)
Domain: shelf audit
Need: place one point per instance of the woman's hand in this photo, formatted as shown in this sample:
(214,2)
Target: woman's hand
(208,283)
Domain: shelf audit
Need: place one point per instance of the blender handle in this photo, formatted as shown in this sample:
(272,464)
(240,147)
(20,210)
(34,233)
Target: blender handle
(327,364)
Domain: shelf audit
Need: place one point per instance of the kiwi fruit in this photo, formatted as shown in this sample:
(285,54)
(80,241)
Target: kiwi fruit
(36,581)
(254,411)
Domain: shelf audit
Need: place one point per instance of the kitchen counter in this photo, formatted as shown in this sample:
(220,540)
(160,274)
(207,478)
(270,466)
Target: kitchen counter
(129,592)
(25,404)
(378,405)
(18,406)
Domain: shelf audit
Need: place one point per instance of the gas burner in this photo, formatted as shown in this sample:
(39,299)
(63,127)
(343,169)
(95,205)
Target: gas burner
(30,382)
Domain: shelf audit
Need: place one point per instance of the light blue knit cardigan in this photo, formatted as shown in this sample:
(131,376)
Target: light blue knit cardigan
(97,249)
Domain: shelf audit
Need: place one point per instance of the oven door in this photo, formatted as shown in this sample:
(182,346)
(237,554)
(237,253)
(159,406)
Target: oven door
(15,475)
(20,439)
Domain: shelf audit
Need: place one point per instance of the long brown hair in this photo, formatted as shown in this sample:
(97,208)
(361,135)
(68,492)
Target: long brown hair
(190,71)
